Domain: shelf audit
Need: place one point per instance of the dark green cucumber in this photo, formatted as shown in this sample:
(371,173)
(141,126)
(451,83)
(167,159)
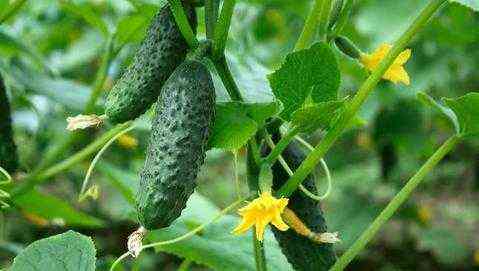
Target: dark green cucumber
(162,50)
(302,253)
(8,150)
(184,116)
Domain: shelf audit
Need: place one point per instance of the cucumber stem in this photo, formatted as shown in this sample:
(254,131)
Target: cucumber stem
(366,88)
(222,28)
(211,17)
(395,203)
(182,22)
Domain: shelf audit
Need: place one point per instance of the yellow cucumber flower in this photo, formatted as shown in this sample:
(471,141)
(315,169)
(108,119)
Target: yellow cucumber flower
(396,72)
(127,142)
(260,212)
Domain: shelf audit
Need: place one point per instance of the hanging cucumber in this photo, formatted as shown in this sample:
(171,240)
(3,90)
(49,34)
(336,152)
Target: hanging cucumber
(8,150)
(162,50)
(301,252)
(177,146)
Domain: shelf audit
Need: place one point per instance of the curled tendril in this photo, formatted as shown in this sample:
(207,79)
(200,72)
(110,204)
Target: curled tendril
(184,236)
(97,158)
(290,172)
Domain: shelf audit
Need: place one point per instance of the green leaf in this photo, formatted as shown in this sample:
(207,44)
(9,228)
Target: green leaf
(215,246)
(237,122)
(307,73)
(472,4)
(447,112)
(311,117)
(69,251)
(466,109)
(52,208)
(133,28)
(88,14)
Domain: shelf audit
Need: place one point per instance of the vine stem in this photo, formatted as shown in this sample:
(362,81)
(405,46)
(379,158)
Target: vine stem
(182,22)
(281,146)
(342,20)
(31,181)
(259,254)
(222,28)
(310,26)
(324,19)
(395,203)
(11,10)
(227,78)
(366,88)
(211,17)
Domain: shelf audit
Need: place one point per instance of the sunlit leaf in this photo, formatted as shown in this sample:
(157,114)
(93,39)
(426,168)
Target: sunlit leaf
(307,73)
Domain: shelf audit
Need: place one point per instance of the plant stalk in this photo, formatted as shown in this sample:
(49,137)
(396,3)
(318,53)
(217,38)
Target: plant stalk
(324,19)
(182,22)
(366,88)
(227,78)
(310,26)
(395,203)
(211,17)
(222,28)
(281,146)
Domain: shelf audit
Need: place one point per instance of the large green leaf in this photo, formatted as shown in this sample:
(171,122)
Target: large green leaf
(466,109)
(315,116)
(215,246)
(69,251)
(472,4)
(307,73)
(52,208)
(237,122)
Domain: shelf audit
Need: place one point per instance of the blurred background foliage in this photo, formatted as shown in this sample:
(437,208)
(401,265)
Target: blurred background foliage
(50,52)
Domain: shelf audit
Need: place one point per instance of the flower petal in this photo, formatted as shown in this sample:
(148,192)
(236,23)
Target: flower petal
(243,227)
(403,57)
(279,223)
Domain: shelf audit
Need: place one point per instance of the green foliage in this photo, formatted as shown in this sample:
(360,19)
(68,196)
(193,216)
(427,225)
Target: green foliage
(467,112)
(237,122)
(55,210)
(215,246)
(474,5)
(69,251)
(307,73)
(311,117)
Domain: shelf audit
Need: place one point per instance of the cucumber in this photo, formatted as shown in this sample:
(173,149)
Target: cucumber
(8,150)
(184,117)
(302,253)
(162,50)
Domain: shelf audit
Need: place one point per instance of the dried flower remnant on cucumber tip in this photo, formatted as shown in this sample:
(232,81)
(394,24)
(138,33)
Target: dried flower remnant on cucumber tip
(300,228)
(396,73)
(80,122)
(260,212)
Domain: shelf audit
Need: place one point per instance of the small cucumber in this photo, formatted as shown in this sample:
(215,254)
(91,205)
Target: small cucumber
(301,252)
(184,116)
(8,150)
(162,50)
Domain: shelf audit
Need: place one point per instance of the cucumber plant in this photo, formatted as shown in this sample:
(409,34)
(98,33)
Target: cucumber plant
(188,121)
